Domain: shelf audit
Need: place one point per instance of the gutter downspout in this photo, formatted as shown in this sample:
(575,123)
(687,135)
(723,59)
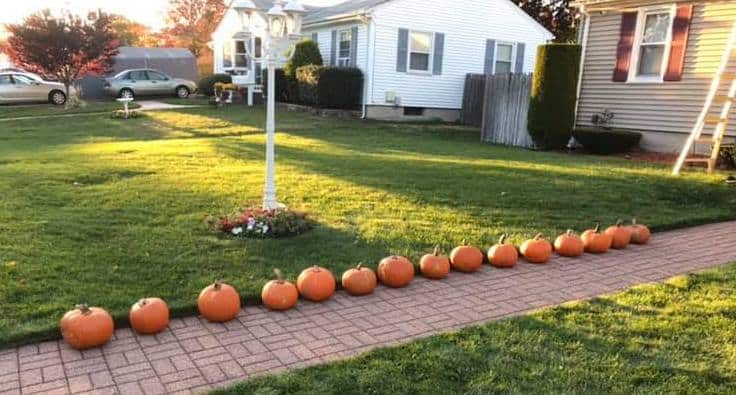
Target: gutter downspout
(583,53)
(370,55)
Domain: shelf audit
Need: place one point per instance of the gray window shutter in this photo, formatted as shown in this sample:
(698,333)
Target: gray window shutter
(519,58)
(333,49)
(354,47)
(439,52)
(490,56)
(315,37)
(403,50)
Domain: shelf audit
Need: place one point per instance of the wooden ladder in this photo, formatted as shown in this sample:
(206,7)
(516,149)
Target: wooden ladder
(720,122)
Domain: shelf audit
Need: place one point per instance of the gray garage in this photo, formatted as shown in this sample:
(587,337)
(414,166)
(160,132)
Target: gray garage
(176,62)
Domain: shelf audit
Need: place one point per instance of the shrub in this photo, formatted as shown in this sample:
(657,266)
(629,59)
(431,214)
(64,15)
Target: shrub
(120,114)
(330,87)
(206,85)
(727,156)
(259,223)
(340,87)
(305,53)
(607,141)
(554,90)
(286,89)
(308,78)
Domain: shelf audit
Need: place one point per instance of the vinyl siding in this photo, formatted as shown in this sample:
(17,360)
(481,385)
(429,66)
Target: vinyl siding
(668,106)
(465,32)
(324,40)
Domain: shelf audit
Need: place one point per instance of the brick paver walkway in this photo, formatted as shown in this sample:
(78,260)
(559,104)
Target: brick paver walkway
(194,355)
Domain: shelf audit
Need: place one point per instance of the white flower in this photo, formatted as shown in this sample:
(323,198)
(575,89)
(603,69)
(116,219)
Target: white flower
(250,226)
(237,231)
(265,229)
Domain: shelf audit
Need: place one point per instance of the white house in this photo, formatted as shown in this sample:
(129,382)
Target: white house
(414,54)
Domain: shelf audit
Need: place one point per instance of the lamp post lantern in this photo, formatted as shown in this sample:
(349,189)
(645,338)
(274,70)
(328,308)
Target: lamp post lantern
(282,29)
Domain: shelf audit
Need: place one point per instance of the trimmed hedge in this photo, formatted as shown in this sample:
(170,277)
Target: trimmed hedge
(285,87)
(330,87)
(554,90)
(305,53)
(607,141)
(206,85)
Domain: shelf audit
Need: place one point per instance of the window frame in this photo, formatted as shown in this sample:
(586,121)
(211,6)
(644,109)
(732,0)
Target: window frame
(233,67)
(641,19)
(343,61)
(431,53)
(512,63)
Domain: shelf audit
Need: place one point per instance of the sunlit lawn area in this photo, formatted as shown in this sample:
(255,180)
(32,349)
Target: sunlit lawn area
(35,110)
(673,338)
(107,211)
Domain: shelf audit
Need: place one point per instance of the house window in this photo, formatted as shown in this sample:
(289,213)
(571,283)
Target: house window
(413,111)
(652,44)
(227,55)
(420,51)
(504,56)
(241,57)
(343,55)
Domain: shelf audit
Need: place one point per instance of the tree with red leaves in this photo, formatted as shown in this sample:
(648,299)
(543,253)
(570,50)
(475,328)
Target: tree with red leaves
(190,23)
(555,15)
(66,48)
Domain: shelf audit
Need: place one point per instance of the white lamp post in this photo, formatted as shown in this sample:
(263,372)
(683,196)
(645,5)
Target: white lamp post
(282,30)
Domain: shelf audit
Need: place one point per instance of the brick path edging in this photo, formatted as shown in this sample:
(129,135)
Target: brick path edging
(195,356)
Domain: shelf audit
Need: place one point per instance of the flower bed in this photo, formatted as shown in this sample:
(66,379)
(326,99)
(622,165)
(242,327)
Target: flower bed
(261,223)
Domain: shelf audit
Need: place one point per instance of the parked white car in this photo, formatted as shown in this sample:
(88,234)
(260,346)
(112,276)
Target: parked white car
(147,82)
(21,87)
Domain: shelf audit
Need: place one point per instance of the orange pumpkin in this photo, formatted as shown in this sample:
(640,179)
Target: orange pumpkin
(396,271)
(503,255)
(569,244)
(359,281)
(596,242)
(149,316)
(434,265)
(537,250)
(279,294)
(86,327)
(465,258)
(640,234)
(316,284)
(620,235)
(219,302)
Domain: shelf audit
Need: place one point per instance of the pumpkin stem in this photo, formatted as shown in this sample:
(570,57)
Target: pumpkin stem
(436,250)
(570,232)
(539,236)
(620,223)
(360,266)
(83,308)
(217,285)
(597,228)
(633,221)
(464,242)
(279,275)
(143,302)
(503,238)
(315,268)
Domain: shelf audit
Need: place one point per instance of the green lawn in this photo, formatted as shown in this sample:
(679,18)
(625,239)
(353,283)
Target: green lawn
(30,110)
(673,338)
(107,211)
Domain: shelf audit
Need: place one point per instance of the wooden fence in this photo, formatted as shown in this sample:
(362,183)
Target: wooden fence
(499,104)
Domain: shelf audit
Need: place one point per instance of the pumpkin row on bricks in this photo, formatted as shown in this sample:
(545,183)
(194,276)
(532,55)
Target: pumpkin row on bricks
(435,265)
(396,271)
(466,258)
(219,302)
(503,255)
(149,316)
(316,284)
(620,235)
(86,327)
(537,250)
(596,242)
(569,244)
(359,281)
(640,234)
(279,294)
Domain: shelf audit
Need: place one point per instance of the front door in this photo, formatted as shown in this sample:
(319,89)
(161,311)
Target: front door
(160,84)
(138,80)
(29,89)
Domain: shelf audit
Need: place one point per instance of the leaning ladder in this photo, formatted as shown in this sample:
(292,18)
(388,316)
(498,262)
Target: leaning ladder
(720,122)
